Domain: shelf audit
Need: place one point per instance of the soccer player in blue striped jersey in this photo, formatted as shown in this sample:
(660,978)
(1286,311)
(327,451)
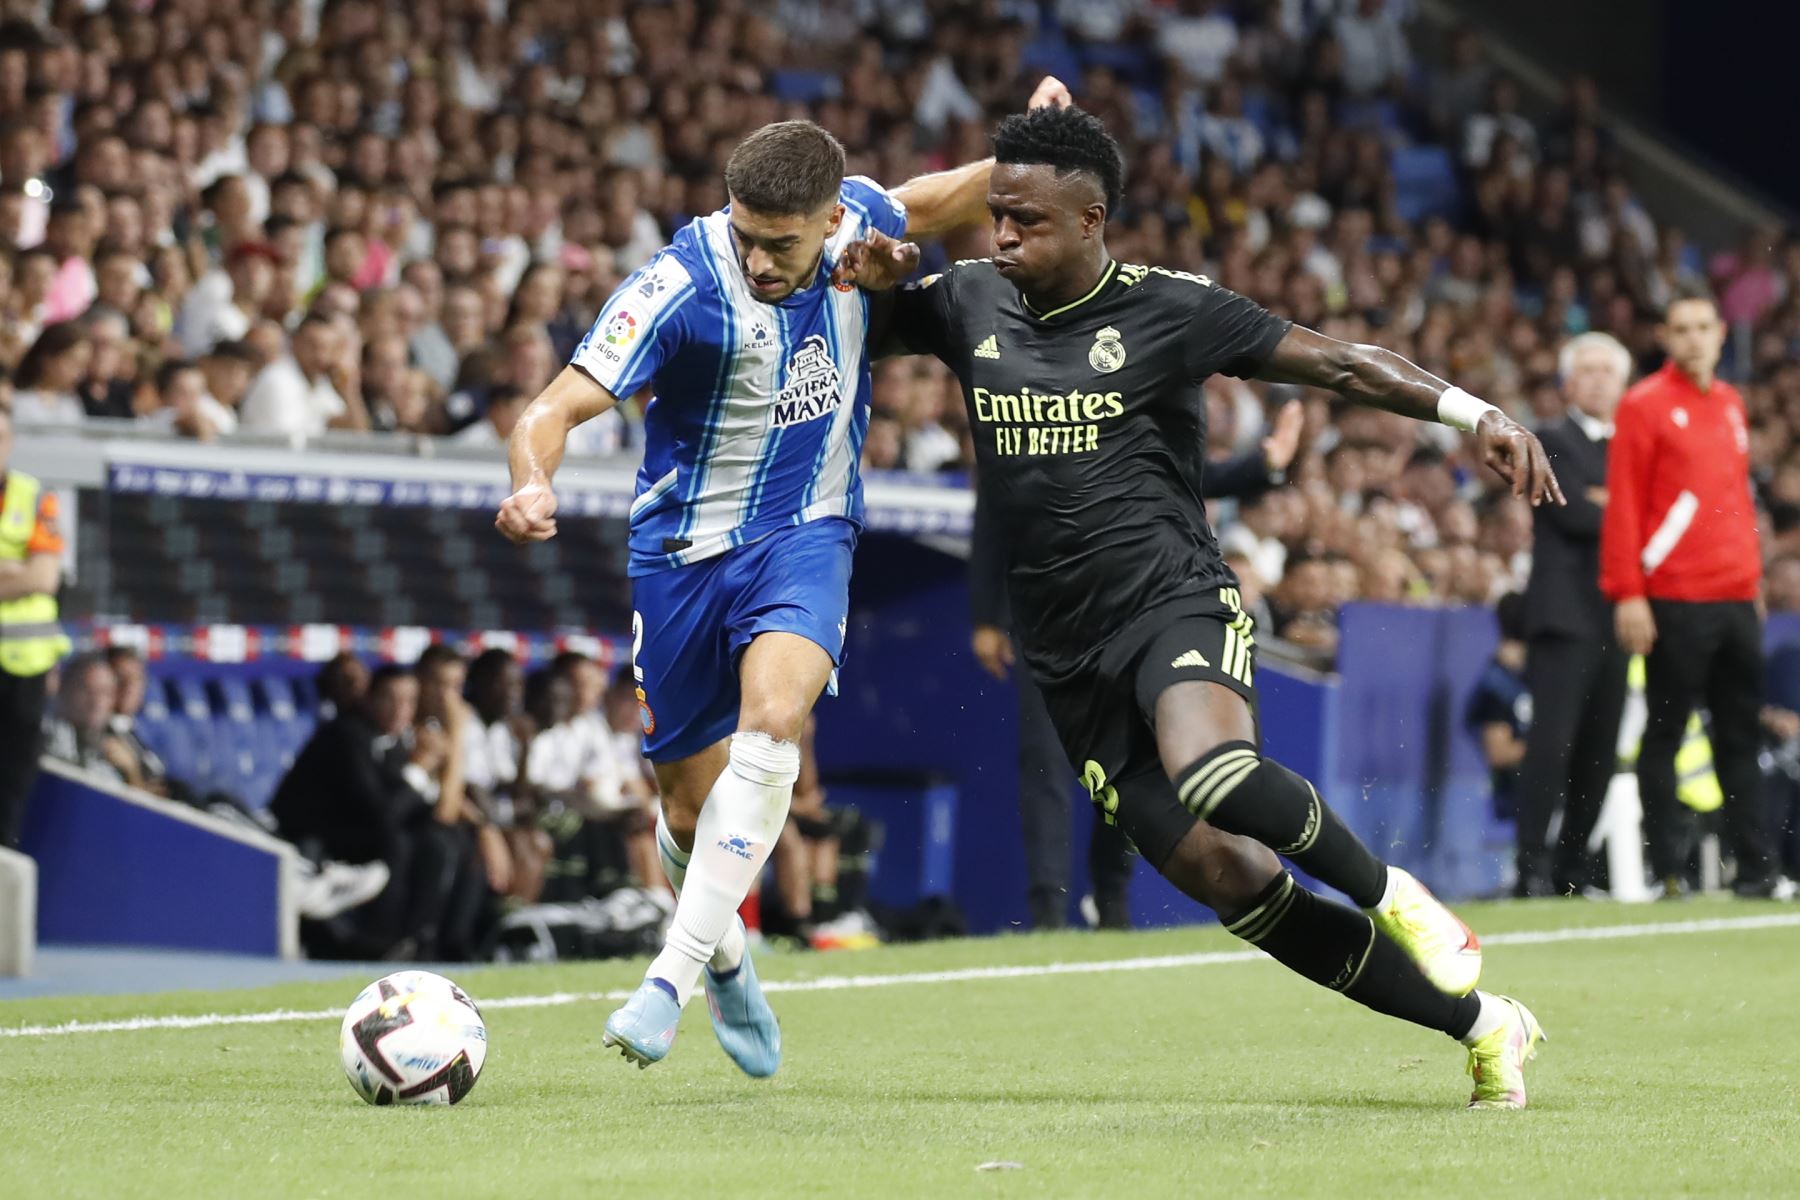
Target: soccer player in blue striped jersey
(748,506)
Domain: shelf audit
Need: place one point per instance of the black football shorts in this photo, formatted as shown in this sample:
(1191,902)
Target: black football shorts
(1105,717)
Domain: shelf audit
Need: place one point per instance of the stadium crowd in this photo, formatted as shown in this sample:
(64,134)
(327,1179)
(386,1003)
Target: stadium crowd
(289,218)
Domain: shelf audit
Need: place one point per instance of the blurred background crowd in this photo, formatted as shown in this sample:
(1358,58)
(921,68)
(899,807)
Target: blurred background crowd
(289,218)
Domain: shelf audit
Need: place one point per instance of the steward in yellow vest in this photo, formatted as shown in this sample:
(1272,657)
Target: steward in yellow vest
(31,642)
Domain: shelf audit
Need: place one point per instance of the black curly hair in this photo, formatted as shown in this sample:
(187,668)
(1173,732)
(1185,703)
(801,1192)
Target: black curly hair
(1068,139)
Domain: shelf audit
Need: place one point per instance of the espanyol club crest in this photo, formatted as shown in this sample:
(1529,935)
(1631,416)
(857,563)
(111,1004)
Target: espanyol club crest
(645,715)
(1108,352)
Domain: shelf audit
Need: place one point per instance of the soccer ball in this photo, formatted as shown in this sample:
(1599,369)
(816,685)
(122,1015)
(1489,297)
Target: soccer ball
(413,1038)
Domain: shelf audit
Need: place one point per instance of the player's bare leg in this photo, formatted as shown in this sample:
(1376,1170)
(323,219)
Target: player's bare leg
(714,845)
(1337,947)
(1206,737)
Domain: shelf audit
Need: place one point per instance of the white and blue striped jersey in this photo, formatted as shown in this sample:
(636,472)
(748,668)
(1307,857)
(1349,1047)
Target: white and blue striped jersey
(759,410)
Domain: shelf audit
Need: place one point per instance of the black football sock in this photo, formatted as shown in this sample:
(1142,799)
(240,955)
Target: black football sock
(1238,790)
(1339,948)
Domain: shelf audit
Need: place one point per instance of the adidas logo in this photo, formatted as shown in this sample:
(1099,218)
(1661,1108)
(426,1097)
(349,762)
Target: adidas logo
(989,348)
(1193,658)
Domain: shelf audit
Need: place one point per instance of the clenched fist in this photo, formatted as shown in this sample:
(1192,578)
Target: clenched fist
(529,514)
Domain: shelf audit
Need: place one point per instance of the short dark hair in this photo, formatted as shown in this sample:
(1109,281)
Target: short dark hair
(116,654)
(165,374)
(568,662)
(787,168)
(1685,292)
(389,673)
(1070,140)
(1509,611)
(439,654)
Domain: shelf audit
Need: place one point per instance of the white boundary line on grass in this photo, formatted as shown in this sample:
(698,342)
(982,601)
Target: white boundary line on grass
(833,983)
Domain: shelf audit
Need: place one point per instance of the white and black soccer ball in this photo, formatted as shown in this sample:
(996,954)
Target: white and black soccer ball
(413,1038)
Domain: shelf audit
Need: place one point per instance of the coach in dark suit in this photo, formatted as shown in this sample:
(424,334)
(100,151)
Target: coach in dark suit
(1574,666)
(1044,772)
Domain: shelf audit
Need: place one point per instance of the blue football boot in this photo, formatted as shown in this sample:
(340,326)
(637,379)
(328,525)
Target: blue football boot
(644,1027)
(741,1017)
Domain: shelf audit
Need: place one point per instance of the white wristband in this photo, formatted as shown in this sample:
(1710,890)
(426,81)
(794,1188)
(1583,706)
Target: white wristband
(1459,410)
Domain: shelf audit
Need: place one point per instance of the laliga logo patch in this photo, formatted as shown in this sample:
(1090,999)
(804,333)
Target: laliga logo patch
(622,330)
(645,716)
(1108,352)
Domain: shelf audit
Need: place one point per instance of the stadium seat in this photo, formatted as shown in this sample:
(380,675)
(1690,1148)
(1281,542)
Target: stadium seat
(1052,56)
(803,87)
(190,707)
(237,745)
(1133,64)
(1425,182)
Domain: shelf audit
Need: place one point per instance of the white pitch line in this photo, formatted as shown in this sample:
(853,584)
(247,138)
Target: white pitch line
(834,983)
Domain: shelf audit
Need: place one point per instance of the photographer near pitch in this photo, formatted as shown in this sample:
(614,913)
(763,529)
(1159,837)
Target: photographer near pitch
(1680,557)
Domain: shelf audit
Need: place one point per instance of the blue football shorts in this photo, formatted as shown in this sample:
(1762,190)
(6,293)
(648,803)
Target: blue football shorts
(690,625)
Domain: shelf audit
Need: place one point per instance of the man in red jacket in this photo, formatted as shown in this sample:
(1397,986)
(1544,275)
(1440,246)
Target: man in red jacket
(1679,556)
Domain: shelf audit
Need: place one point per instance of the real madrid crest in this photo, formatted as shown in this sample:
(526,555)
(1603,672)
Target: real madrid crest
(1108,352)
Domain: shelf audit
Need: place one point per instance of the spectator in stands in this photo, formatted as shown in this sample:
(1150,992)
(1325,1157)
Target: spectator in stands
(223,304)
(70,237)
(299,394)
(1305,602)
(80,732)
(47,377)
(106,389)
(505,404)
(341,684)
(184,407)
(625,720)
(1375,55)
(227,368)
(611,767)
(1499,712)
(567,785)
(443,673)
(356,792)
(493,753)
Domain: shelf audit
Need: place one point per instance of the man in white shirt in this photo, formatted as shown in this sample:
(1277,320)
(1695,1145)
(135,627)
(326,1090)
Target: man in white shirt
(505,403)
(294,394)
(187,407)
(1374,45)
(1201,38)
(226,301)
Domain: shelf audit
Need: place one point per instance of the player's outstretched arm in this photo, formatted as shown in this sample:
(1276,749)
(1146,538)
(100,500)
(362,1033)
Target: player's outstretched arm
(944,201)
(1380,378)
(535,450)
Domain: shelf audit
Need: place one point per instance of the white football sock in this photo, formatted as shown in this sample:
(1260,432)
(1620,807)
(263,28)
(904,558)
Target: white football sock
(736,832)
(1494,1013)
(730,954)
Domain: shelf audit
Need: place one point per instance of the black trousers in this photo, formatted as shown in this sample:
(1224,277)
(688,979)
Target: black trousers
(1045,812)
(21,740)
(1577,696)
(1706,654)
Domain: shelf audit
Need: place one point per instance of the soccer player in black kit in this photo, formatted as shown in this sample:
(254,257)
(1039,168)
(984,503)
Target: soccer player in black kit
(1082,377)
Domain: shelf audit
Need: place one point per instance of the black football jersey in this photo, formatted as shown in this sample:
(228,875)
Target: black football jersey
(1090,437)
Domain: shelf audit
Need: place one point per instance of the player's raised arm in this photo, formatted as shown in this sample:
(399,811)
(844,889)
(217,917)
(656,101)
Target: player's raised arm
(535,450)
(944,201)
(1380,378)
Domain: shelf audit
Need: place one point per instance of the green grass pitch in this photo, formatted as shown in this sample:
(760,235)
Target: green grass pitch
(1670,1071)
